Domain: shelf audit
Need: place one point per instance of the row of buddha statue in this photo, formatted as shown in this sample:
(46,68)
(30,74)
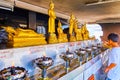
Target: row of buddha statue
(26,37)
(75,33)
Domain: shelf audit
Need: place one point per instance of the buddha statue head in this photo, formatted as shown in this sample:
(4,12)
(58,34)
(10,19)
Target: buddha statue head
(10,29)
(51,5)
(72,16)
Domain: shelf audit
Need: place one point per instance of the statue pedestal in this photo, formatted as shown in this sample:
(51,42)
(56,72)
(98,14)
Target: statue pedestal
(62,38)
(52,39)
(72,38)
(26,41)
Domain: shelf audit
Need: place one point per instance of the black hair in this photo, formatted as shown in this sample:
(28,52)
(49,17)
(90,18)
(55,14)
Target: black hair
(114,37)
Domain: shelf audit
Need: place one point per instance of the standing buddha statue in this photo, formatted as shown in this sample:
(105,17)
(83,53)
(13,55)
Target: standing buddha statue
(78,31)
(71,27)
(52,17)
(71,24)
(51,24)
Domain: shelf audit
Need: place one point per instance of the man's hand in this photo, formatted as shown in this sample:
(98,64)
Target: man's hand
(106,70)
(106,44)
(112,65)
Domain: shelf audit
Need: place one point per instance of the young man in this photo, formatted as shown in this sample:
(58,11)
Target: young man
(113,68)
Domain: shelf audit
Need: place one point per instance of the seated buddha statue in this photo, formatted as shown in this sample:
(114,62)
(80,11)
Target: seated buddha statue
(59,29)
(85,32)
(62,37)
(79,34)
(77,31)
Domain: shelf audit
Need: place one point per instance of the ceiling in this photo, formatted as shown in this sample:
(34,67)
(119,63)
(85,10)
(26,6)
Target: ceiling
(103,11)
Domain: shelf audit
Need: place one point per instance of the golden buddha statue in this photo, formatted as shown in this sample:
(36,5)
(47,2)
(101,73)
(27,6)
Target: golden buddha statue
(79,36)
(24,37)
(85,32)
(62,37)
(75,25)
(59,29)
(24,32)
(52,17)
(77,31)
(71,27)
(51,24)
(71,24)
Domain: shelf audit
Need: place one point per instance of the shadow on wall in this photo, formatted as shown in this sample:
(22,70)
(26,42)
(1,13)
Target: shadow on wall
(26,60)
(1,65)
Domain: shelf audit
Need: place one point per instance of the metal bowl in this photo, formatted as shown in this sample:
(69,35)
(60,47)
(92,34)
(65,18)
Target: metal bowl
(67,56)
(88,49)
(13,73)
(80,52)
(43,62)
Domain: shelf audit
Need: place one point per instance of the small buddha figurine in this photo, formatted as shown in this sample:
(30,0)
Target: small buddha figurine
(85,32)
(62,37)
(71,22)
(79,36)
(52,17)
(59,29)
(77,31)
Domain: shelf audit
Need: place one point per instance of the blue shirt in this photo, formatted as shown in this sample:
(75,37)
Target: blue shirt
(114,57)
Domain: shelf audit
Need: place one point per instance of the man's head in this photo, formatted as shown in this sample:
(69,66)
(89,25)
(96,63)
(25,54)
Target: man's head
(113,38)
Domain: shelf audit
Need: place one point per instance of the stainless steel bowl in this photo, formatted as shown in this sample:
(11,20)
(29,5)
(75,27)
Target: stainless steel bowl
(44,62)
(67,56)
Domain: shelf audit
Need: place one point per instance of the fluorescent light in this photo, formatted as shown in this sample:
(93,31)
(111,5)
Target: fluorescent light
(101,2)
(6,8)
(7,5)
(23,25)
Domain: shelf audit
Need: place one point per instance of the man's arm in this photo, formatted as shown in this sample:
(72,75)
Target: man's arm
(112,65)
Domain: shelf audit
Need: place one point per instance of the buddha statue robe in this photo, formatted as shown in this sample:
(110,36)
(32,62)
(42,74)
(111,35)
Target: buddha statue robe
(52,17)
